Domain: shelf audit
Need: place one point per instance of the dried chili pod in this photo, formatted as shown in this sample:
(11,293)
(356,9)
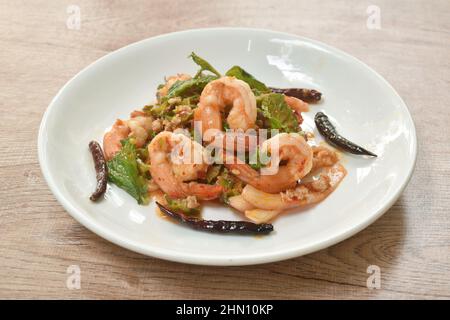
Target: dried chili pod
(101,170)
(308,95)
(221,226)
(329,132)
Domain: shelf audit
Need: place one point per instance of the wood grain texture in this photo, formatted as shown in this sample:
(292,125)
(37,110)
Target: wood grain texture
(39,240)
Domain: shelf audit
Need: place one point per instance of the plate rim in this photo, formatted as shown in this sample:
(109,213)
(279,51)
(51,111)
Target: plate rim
(196,259)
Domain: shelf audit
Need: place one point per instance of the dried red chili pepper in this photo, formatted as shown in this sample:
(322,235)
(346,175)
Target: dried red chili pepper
(308,95)
(100,169)
(221,226)
(329,132)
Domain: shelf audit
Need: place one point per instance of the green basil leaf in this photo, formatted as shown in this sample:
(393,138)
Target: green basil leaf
(188,88)
(123,171)
(277,113)
(204,65)
(257,86)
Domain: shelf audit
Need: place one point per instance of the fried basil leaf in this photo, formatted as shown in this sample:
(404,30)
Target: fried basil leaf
(204,65)
(277,114)
(189,88)
(123,171)
(257,86)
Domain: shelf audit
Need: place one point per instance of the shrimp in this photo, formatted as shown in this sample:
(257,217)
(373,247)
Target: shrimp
(220,93)
(111,139)
(298,106)
(174,160)
(305,194)
(323,157)
(289,147)
(138,127)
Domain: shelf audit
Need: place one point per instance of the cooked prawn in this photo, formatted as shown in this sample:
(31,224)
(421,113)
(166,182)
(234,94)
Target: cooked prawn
(298,106)
(288,147)
(111,139)
(323,157)
(138,127)
(172,164)
(305,194)
(223,92)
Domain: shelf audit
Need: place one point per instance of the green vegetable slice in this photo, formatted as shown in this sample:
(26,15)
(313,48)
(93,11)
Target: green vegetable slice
(277,113)
(231,185)
(158,110)
(213,172)
(181,205)
(257,86)
(254,159)
(123,171)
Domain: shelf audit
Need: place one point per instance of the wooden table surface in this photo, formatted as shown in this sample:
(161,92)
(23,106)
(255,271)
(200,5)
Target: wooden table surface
(39,240)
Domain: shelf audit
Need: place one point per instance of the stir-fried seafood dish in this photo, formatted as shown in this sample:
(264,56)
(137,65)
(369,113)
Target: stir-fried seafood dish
(227,138)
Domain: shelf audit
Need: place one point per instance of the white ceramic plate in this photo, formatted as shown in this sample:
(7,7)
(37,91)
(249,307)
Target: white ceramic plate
(360,102)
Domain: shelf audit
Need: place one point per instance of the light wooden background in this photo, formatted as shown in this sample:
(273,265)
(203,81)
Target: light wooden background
(39,240)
